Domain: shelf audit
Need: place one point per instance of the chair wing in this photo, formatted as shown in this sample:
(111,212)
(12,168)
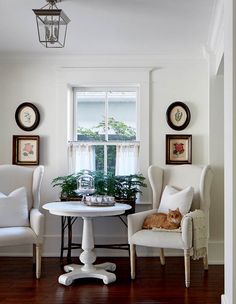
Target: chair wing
(155,175)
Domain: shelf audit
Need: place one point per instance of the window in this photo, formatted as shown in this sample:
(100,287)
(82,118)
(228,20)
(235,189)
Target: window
(105,130)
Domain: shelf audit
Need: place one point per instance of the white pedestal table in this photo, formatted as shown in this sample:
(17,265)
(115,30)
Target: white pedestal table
(88,256)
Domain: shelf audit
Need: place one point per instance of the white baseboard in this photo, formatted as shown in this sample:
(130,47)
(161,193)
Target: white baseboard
(216,252)
(51,248)
(224,299)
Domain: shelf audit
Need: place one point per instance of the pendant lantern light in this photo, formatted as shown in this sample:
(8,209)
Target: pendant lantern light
(52,25)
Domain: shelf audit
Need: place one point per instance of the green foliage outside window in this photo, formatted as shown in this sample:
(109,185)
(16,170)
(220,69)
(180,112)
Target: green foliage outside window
(121,132)
(119,127)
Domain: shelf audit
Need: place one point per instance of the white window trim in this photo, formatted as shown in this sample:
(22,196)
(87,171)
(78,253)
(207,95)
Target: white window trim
(68,77)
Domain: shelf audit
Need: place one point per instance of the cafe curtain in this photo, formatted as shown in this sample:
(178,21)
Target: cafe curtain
(127,159)
(81,156)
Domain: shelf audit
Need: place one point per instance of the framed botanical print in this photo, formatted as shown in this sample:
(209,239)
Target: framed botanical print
(25,150)
(27,116)
(178,115)
(178,149)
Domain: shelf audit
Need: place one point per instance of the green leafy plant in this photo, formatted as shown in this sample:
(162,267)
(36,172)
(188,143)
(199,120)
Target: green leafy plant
(67,183)
(104,183)
(118,127)
(128,186)
(123,187)
(121,130)
(99,182)
(88,133)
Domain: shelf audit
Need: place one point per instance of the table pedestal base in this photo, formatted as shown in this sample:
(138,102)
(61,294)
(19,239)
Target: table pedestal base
(98,271)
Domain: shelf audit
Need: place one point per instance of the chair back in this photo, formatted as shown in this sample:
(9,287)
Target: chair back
(13,177)
(180,177)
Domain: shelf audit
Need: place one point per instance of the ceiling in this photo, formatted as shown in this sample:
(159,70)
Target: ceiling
(112,26)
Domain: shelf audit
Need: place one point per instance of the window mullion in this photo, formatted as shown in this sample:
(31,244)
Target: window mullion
(75,135)
(105,159)
(106,132)
(106,116)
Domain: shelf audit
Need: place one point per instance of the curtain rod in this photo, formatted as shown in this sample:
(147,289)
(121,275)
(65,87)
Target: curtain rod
(110,142)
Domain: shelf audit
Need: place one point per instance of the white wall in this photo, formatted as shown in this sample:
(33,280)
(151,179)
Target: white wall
(187,82)
(217,159)
(36,80)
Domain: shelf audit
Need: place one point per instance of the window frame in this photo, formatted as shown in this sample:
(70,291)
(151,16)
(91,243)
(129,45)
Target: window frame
(107,142)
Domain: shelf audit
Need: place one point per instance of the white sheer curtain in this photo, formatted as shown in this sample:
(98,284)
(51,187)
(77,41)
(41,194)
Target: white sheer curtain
(127,159)
(81,156)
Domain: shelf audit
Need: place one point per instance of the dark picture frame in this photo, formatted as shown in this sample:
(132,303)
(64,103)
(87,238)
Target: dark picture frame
(27,116)
(25,150)
(178,149)
(178,115)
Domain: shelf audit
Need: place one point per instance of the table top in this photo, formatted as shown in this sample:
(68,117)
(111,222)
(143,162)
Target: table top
(79,209)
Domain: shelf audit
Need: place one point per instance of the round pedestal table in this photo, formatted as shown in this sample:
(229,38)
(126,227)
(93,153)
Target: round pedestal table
(88,256)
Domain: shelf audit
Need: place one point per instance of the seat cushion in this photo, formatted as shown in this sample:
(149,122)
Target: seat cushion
(14,209)
(157,239)
(17,236)
(173,198)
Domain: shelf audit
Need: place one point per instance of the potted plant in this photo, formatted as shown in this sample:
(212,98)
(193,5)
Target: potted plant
(99,182)
(105,184)
(127,187)
(123,187)
(68,185)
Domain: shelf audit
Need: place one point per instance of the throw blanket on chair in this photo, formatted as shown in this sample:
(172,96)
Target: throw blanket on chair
(200,234)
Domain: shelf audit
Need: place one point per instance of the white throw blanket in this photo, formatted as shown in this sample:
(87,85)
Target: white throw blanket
(200,233)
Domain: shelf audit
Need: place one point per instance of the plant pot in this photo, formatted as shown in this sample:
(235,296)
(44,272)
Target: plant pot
(71,198)
(130,202)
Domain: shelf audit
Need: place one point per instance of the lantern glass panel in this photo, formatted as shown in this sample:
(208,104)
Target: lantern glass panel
(51,30)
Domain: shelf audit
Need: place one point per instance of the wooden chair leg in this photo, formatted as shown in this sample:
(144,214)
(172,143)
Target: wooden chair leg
(34,253)
(38,260)
(205,262)
(162,256)
(132,260)
(187,267)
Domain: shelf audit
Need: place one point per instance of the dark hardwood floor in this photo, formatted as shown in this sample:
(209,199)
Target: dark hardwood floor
(153,283)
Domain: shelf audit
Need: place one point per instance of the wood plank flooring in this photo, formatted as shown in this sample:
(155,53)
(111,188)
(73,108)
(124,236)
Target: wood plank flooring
(153,284)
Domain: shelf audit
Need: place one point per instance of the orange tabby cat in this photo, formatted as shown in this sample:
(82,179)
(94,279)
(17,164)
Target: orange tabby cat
(170,220)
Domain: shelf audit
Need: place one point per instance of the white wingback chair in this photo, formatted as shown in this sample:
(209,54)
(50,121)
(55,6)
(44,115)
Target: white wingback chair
(180,177)
(13,177)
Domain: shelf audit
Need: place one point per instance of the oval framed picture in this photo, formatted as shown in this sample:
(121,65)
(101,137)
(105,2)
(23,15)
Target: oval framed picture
(27,116)
(178,115)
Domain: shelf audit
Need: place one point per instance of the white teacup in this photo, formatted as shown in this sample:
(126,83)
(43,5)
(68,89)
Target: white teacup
(99,199)
(110,199)
(93,199)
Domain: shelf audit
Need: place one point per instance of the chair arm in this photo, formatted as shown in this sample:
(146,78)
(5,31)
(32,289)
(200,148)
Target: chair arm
(37,223)
(187,227)
(135,221)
